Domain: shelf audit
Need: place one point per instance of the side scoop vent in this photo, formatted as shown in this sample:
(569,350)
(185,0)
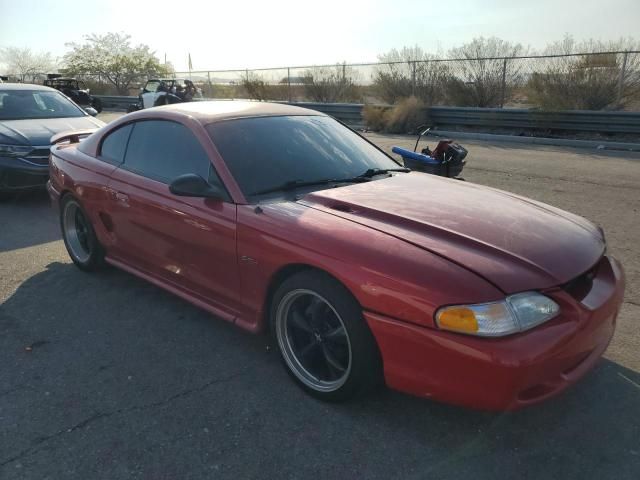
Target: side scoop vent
(342,207)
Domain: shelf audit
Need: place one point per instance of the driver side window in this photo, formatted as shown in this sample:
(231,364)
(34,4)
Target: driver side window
(163,150)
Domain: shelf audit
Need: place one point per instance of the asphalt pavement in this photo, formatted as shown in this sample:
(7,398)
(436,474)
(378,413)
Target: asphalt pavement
(104,376)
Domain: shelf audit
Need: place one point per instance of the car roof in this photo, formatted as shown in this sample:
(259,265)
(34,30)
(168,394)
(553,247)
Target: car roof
(25,86)
(218,110)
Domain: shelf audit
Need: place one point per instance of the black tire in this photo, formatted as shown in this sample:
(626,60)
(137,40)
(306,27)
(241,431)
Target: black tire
(79,237)
(339,367)
(97,104)
(162,100)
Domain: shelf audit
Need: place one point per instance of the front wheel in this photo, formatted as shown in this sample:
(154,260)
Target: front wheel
(161,100)
(78,235)
(97,104)
(324,342)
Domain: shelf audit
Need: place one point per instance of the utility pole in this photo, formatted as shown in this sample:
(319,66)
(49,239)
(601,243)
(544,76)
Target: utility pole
(623,72)
(504,82)
(413,78)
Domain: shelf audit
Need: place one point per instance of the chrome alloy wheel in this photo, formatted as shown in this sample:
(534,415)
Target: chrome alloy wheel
(76,232)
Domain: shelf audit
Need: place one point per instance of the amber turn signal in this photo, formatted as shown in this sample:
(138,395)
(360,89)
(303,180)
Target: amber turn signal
(458,319)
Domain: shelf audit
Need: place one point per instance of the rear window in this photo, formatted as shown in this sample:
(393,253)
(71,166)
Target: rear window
(26,104)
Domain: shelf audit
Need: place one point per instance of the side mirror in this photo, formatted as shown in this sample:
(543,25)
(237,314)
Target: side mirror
(91,111)
(192,185)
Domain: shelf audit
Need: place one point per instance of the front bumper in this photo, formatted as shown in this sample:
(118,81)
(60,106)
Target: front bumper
(509,372)
(17,175)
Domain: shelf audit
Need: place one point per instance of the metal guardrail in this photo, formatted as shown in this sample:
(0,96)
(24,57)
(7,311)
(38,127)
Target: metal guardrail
(448,118)
(349,113)
(520,118)
(116,102)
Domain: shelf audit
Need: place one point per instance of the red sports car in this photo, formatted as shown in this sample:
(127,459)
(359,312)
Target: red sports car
(273,216)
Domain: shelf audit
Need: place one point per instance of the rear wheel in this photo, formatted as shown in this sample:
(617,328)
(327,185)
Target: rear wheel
(323,339)
(78,235)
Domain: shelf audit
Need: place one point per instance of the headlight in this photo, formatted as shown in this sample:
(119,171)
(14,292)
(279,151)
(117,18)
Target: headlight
(516,313)
(15,150)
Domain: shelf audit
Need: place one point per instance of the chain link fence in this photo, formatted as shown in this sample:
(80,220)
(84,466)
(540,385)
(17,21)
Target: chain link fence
(593,81)
(598,81)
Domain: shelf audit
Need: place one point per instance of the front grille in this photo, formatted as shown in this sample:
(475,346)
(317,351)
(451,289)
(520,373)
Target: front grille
(39,156)
(17,179)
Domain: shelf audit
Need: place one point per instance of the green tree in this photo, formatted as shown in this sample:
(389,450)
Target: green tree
(114,59)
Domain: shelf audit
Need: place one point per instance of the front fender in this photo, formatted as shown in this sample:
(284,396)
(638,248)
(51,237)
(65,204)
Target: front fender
(385,275)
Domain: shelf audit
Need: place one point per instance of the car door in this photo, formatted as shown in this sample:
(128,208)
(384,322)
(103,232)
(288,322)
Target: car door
(149,93)
(188,243)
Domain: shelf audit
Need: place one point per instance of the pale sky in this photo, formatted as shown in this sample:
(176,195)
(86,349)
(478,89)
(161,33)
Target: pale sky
(251,34)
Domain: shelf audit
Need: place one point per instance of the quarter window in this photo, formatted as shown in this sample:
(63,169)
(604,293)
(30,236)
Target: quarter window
(163,150)
(115,144)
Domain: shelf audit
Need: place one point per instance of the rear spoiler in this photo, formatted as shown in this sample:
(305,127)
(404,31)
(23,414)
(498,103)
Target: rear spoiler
(72,136)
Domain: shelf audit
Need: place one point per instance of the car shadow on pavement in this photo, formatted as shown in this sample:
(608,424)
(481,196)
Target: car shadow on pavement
(27,219)
(104,374)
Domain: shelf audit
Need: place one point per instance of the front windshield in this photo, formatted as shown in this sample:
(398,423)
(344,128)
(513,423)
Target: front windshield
(265,152)
(26,104)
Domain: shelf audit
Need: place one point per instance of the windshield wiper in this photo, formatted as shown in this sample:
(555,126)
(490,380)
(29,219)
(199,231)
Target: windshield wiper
(372,172)
(363,177)
(293,184)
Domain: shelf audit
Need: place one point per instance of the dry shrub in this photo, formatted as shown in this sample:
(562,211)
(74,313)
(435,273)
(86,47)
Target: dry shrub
(332,84)
(410,71)
(586,82)
(476,79)
(406,116)
(256,88)
(374,117)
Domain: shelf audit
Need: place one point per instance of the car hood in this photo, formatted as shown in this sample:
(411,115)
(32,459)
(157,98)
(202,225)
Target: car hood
(515,243)
(38,131)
